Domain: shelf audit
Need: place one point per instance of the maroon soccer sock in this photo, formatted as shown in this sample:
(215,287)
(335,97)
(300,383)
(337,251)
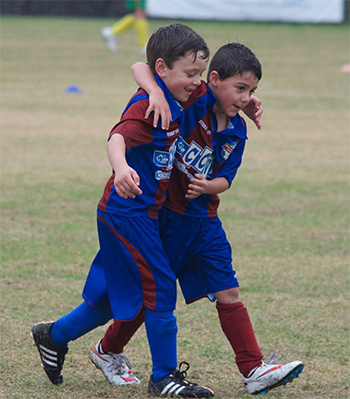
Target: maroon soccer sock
(119,333)
(236,325)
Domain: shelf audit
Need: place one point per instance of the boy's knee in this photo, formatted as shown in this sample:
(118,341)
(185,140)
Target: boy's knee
(228,296)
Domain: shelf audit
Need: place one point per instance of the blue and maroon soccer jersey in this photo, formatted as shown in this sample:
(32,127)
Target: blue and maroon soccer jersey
(150,151)
(202,150)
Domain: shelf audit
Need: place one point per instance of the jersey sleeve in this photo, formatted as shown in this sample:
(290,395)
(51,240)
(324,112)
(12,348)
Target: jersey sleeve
(135,129)
(228,168)
(229,147)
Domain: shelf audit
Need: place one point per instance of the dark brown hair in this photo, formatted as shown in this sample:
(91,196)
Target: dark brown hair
(172,42)
(233,59)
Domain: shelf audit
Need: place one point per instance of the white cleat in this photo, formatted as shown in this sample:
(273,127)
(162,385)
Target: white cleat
(269,376)
(115,367)
(110,39)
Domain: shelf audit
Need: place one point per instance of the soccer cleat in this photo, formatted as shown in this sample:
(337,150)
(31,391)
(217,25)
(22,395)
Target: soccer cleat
(115,367)
(109,39)
(270,375)
(177,385)
(51,355)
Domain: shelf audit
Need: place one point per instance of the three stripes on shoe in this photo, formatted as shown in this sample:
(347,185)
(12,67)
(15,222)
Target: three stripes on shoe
(172,388)
(49,356)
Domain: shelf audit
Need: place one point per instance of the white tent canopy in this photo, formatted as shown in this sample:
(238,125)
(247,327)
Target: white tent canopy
(314,11)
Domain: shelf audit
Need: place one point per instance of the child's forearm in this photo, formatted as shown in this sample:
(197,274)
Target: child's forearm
(126,179)
(157,103)
(116,151)
(217,186)
(144,77)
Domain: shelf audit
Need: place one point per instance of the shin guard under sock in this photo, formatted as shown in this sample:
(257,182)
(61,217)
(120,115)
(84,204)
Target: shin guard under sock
(119,333)
(161,333)
(78,322)
(236,325)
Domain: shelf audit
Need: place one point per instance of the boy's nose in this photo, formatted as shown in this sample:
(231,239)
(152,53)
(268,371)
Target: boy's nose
(245,98)
(196,81)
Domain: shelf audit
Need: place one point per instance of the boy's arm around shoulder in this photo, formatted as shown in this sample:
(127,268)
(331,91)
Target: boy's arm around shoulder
(254,111)
(157,103)
(126,179)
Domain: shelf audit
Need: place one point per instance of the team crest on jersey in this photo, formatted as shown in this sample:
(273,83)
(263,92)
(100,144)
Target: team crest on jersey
(227,149)
(193,155)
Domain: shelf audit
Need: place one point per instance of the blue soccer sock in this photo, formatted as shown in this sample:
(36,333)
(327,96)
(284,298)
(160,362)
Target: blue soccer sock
(78,322)
(161,333)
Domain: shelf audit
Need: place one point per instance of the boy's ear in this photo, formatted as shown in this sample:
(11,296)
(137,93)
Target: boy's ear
(214,78)
(160,67)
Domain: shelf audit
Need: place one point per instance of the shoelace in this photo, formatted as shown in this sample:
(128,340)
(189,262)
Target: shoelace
(183,373)
(118,363)
(271,359)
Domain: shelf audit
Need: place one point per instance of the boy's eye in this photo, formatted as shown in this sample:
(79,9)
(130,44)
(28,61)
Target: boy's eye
(252,92)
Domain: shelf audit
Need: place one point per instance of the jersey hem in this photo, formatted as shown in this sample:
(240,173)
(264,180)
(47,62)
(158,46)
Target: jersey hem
(189,213)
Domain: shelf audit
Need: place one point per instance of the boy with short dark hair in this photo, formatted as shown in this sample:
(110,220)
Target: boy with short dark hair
(191,232)
(131,273)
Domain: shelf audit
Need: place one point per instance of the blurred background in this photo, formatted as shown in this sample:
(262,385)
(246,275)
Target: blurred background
(316,11)
(286,215)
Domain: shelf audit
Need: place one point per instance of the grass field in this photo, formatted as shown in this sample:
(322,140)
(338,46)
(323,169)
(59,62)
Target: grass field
(286,215)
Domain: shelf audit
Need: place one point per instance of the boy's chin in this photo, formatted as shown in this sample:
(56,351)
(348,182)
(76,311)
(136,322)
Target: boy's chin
(183,98)
(232,114)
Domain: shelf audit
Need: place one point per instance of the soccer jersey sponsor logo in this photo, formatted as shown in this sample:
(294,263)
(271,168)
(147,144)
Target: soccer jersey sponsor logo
(182,168)
(205,127)
(193,155)
(161,159)
(159,175)
(164,159)
(173,132)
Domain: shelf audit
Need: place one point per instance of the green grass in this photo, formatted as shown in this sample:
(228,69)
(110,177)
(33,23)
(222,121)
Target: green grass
(286,215)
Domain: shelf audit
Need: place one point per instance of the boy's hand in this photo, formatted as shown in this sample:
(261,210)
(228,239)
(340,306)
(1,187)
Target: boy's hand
(160,107)
(254,111)
(126,182)
(197,187)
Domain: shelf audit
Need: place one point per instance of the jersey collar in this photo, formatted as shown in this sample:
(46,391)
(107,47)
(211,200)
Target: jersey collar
(175,107)
(236,126)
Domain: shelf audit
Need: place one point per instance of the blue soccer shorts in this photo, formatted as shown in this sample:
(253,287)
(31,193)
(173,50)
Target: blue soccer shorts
(199,253)
(131,269)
